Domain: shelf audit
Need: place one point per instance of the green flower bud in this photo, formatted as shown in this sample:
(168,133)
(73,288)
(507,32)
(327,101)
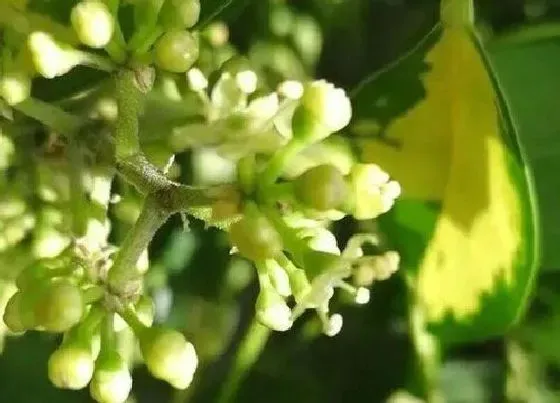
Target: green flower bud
(272,311)
(176,51)
(321,188)
(180,13)
(60,306)
(12,316)
(15,87)
(111,382)
(93,23)
(71,365)
(255,237)
(50,58)
(168,356)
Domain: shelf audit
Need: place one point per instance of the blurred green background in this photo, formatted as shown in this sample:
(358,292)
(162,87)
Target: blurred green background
(213,295)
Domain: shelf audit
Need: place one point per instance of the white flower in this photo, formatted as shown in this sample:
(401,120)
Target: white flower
(328,104)
(272,310)
(336,267)
(372,191)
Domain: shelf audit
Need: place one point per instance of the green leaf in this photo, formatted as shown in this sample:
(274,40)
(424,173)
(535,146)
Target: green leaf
(465,226)
(528,72)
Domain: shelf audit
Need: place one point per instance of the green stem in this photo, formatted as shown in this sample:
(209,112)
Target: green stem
(145,22)
(131,319)
(247,355)
(427,350)
(108,336)
(95,61)
(77,197)
(276,164)
(291,242)
(116,48)
(89,325)
(51,116)
(246,173)
(128,97)
(279,191)
(123,276)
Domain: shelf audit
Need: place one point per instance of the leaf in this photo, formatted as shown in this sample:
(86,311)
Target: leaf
(473,262)
(528,72)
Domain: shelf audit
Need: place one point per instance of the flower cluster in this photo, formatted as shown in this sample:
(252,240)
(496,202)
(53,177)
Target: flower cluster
(76,283)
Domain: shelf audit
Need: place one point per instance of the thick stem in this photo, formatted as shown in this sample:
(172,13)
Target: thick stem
(123,278)
(128,97)
(172,196)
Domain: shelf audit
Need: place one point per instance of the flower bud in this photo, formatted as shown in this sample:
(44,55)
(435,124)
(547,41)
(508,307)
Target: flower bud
(15,87)
(71,365)
(372,193)
(324,109)
(196,79)
(333,325)
(168,356)
(93,23)
(255,237)
(12,316)
(321,188)
(278,278)
(60,306)
(272,311)
(111,382)
(176,51)
(49,58)
(180,13)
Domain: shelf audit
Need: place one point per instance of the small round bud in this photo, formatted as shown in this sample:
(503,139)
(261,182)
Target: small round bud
(111,382)
(321,188)
(272,311)
(12,317)
(60,306)
(176,51)
(93,23)
(362,296)
(180,13)
(71,366)
(169,356)
(255,237)
(15,87)
(333,326)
